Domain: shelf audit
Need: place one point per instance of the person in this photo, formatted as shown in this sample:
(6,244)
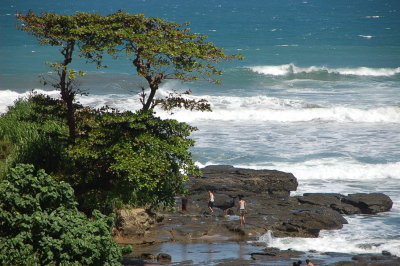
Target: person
(184,204)
(211,201)
(296,263)
(309,263)
(242,209)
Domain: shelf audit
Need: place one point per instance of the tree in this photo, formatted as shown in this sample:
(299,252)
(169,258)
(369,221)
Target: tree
(131,158)
(40,224)
(159,50)
(65,32)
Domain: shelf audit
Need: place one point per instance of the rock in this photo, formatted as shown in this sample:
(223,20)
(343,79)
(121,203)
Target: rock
(134,222)
(163,257)
(369,203)
(310,222)
(276,254)
(361,203)
(330,200)
(269,208)
(370,260)
(148,256)
(234,181)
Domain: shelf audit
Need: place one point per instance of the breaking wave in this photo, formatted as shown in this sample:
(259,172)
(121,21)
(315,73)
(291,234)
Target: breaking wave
(229,108)
(263,108)
(291,69)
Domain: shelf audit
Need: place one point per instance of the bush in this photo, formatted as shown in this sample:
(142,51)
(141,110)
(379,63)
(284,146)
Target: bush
(35,133)
(131,158)
(40,224)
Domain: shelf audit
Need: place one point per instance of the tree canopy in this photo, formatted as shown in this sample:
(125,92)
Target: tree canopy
(160,50)
(65,32)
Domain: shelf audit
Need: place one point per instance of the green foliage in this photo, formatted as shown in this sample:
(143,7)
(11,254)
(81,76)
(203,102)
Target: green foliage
(40,224)
(64,32)
(131,158)
(33,131)
(159,50)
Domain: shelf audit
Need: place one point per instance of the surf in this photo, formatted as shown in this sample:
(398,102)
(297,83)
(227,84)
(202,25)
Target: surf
(319,71)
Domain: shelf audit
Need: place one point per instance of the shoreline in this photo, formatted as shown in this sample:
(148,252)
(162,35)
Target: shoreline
(227,252)
(194,237)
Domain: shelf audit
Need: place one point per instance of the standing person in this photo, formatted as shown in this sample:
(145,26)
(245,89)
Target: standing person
(211,201)
(242,209)
(184,204)
(309,263)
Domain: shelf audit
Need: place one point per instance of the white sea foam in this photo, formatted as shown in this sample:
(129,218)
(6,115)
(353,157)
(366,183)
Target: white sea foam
(8,97)
(282,70)
(366,36)
(227,108)
(356,237)
(261,108)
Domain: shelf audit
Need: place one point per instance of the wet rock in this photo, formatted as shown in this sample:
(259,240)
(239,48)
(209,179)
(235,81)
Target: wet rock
(370,203)
(148,256)
(330,200)
(360,203)
(276,254)
(234,181)
(370,260)
(310,222)
(163,257)
(269,207)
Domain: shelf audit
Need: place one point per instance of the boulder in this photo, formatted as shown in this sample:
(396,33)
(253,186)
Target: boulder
(135,222)
(237,181)
(360,203)
(370,203)
(163,257)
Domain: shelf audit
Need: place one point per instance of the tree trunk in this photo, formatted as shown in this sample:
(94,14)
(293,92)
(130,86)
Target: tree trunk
(153,90)
(67,95)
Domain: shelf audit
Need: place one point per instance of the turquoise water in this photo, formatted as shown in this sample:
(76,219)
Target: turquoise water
(318,94)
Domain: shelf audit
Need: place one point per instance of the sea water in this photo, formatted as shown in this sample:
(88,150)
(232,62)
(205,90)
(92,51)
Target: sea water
(317,95)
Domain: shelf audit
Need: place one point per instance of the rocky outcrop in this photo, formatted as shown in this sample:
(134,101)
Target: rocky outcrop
(360,203)
(135,222)
(232,181)
(269,207)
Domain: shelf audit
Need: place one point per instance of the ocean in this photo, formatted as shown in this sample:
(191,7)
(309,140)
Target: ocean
(317,94)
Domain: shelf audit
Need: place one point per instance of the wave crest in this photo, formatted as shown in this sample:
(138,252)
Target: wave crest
(291,69)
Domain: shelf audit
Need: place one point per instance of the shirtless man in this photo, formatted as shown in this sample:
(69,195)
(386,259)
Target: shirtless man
(242,209)
(211,201)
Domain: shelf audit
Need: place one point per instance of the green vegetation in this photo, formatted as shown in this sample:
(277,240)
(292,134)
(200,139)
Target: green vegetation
(40,224)
(33,131)
(117,158)
(159,50)
(99,160)
(62,31)
(131,158)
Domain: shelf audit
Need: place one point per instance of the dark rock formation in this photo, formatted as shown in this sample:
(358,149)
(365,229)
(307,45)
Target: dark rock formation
(231,181)
(384,259)
(360,203)
(269,208)
(274,253)
(163,257)
(370,203)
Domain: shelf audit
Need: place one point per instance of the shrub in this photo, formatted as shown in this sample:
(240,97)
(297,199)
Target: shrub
(40,224)
(35,133)
(131,158)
